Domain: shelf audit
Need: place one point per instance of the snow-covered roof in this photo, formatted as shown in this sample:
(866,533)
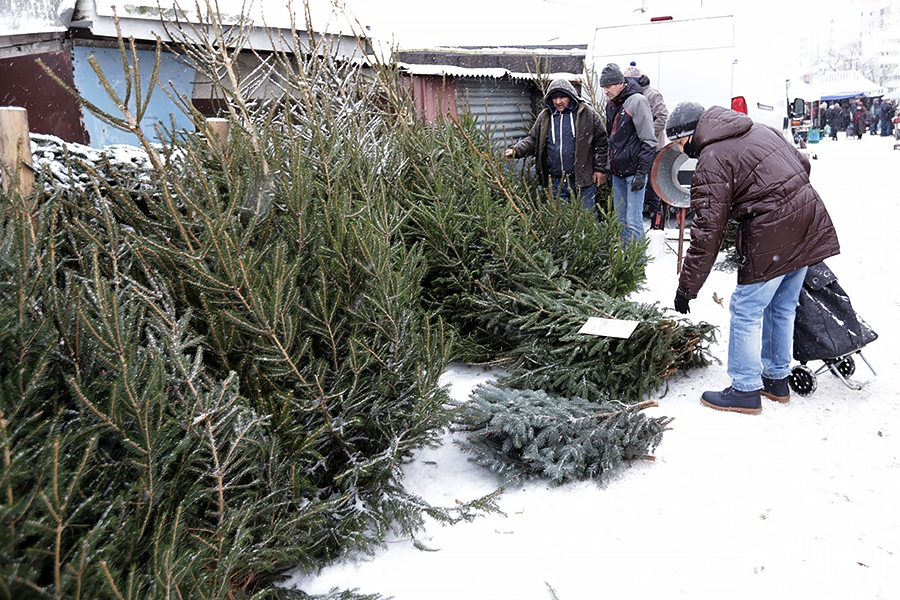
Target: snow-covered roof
(142,19)
(542,50)
(34,16)
(325,18)
(491,73)
(837,85)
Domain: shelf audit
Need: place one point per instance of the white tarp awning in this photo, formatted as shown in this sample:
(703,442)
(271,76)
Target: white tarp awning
(797,88)
(838,85)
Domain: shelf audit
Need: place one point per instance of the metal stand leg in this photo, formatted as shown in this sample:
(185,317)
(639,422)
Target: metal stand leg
(682,217)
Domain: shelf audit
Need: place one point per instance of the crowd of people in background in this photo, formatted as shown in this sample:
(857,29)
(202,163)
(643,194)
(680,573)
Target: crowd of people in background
(857,116)
(576,151)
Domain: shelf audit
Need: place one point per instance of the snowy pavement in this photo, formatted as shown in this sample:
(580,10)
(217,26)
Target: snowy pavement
(797,502)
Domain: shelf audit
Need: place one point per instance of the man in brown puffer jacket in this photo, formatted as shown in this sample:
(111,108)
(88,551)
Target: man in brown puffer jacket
(749,173)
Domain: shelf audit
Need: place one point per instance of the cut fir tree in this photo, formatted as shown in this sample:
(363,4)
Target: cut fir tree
(527,434)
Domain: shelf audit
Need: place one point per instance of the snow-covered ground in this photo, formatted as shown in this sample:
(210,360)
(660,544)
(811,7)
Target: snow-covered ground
(801,501)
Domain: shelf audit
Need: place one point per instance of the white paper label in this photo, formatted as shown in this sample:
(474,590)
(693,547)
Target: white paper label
(608,327)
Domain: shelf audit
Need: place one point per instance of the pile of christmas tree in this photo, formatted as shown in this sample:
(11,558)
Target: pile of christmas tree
(213,360)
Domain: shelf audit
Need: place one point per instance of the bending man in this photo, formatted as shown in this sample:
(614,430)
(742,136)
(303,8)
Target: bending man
(748,172)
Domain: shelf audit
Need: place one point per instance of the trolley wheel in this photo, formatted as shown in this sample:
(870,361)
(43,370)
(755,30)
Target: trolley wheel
(847,367)
(802,380)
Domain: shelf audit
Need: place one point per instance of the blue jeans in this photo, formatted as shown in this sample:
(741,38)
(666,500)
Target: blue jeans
(762,330)
(561,190)
(629,207)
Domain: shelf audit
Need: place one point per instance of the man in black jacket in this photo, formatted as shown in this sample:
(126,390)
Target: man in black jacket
(632,147)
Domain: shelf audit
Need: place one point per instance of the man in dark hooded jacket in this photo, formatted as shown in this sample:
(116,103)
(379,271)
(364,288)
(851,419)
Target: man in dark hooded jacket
(749,173)
(570,144)
(632,147)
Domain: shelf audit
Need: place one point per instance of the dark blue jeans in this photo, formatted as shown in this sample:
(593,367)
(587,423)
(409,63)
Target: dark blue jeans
(561,190)
(629,207)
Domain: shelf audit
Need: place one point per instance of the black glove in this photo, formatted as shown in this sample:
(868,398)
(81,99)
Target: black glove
(638,181)
(681,304)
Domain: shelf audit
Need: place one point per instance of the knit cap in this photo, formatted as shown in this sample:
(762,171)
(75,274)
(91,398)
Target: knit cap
(683,119)
(611,75)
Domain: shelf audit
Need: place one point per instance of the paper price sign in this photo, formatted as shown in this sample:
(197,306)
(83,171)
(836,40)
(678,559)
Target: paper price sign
(617,328)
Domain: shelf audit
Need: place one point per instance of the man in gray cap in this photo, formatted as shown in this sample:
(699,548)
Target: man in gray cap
(632,147)
(748,173)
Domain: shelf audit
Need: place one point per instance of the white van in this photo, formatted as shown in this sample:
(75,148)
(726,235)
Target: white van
(698,60)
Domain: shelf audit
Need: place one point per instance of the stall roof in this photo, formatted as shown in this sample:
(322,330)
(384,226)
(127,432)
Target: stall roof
(517,62)
(141,19)
(837,85)
(259,14)
(490,73)
(36,16)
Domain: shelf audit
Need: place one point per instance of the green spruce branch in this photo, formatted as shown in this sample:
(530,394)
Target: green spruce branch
(214,371)
(525,434)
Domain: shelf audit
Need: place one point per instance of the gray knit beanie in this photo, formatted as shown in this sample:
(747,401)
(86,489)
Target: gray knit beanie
(683,119)
(611,75)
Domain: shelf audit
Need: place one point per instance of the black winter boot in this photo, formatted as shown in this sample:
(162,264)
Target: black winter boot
(776,389)
(734,400)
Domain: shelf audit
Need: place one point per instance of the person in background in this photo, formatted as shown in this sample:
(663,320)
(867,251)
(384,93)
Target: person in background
(875,116)
(834,119)
(846,119)
(748,173)
(823,116)
(658,110)
(632,147)
(570,144)
(887,117)
(860,120)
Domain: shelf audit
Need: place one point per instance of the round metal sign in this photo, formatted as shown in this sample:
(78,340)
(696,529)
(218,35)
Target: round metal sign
(664,176)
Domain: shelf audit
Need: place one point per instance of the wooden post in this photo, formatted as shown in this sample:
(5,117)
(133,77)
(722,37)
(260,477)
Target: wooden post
(682,218)
(15,149)
(219,130)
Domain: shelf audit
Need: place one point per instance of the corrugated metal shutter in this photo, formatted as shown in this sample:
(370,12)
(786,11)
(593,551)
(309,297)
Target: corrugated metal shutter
(501,104)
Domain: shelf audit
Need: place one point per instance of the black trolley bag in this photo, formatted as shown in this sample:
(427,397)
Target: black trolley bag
(827,328)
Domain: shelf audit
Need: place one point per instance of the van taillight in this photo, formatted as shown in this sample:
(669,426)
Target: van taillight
(739,104)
